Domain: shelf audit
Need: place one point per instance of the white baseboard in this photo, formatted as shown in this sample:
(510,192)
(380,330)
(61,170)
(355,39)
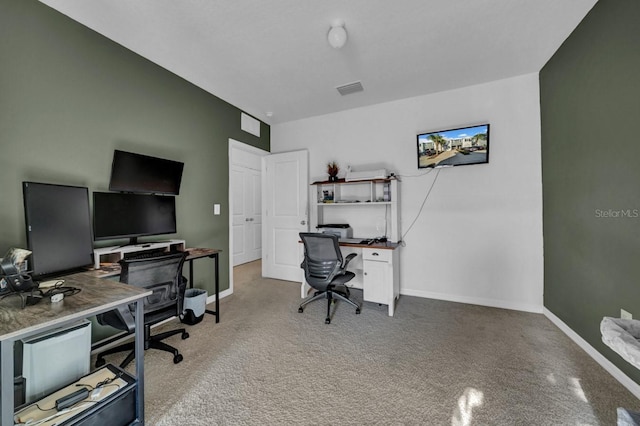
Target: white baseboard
(617,374)
(223,294)
(514,306)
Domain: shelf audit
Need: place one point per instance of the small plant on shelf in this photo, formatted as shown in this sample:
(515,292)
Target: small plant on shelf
(332,170)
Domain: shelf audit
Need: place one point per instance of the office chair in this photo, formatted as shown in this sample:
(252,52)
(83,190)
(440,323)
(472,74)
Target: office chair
(325,270)
(162,275)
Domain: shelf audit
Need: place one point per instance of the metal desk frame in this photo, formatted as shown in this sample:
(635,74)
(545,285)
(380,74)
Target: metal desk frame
(199,253)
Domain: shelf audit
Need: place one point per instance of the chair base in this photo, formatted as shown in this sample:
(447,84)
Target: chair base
(150,342)
(331,294)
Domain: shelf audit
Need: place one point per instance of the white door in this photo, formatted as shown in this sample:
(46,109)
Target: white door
(285,212)
(247,214)
(249,157)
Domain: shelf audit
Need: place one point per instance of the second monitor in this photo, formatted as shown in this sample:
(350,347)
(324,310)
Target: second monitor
(119,215)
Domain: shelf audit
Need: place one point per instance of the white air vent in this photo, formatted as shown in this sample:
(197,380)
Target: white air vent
(350,88)
(249,124)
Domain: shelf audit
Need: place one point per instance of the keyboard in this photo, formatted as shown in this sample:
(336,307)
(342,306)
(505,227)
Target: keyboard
(148,254)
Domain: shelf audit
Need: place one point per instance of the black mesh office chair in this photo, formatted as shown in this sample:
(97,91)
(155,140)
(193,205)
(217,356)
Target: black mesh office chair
(162,275)
(325,270)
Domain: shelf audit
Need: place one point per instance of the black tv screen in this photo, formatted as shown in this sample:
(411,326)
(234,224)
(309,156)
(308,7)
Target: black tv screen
(58,225)
(454,147)
(119,215)
(139,173)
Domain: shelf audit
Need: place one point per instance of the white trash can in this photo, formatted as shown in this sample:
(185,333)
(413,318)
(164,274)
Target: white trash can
(194,306)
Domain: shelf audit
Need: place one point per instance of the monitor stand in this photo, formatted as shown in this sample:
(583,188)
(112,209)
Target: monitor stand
(133,241)
(113,254)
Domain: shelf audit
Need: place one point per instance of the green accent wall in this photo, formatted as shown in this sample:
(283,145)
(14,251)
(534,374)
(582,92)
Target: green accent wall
(69,97)
(590,110)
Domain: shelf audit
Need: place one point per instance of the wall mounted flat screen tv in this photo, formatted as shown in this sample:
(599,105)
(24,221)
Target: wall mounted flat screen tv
(454,147)
(139,173)
(119,215)
(58,225)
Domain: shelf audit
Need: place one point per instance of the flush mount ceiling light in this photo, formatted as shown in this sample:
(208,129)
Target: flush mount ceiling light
(337,35)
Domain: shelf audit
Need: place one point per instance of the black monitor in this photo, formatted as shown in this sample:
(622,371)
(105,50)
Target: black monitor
(139,173)
(58,225)
(120,215)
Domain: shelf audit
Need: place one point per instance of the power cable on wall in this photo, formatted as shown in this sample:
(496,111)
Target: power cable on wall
(423,201)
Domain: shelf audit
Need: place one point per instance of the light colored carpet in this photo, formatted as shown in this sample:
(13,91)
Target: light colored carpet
(434,363)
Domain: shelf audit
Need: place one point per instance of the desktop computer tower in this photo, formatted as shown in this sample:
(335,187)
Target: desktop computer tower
(54,359)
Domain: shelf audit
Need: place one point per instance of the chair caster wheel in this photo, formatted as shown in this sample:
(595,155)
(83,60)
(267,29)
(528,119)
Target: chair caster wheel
(177,358)
(327,321)
(300,310)
(357,311)
(99,362)
(185,335)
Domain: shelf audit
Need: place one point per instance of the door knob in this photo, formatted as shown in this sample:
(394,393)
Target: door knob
(303,222)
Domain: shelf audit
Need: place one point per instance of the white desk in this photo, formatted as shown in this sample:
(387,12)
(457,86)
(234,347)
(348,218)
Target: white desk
(96,296)
(377,272)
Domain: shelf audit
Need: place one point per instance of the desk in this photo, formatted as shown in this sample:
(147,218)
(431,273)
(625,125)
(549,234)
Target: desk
(113,269)
(377,272)
(96,296)
(200,253)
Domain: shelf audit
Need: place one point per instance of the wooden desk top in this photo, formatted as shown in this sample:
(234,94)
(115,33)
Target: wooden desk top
(197,253)
(96,296)
(388,245)
(380,246)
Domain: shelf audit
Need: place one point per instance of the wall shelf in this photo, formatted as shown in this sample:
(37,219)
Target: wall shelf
(334,201)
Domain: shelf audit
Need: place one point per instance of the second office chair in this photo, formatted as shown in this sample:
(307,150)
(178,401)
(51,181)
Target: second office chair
(325,270)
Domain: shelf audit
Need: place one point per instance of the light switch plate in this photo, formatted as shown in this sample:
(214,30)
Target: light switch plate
(625,315)
(216,209)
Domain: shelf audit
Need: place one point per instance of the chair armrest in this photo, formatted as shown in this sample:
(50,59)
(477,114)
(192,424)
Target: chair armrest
(127,317)
(348,259)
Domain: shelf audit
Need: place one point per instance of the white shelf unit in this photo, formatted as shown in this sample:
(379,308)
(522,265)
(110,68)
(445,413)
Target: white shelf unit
(361,204)
(115,253)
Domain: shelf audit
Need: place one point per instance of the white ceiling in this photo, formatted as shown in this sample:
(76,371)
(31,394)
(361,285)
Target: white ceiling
(273,56)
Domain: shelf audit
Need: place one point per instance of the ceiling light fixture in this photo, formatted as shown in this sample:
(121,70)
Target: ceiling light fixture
(337,35)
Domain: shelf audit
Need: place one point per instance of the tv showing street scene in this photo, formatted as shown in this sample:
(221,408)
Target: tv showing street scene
(454,147)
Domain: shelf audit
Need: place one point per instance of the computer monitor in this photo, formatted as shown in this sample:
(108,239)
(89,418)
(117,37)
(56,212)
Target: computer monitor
(119,215)
(131,172)
(58,227)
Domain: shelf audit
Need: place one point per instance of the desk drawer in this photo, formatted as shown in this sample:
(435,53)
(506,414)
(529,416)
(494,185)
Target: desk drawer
(380,255)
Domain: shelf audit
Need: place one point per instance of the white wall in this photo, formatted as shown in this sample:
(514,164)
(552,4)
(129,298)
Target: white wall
(479,237)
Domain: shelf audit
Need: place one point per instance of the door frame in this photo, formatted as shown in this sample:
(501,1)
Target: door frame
(233,146)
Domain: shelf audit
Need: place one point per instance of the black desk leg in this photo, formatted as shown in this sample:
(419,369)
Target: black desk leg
(217,284)
(190,273)
(217,279)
